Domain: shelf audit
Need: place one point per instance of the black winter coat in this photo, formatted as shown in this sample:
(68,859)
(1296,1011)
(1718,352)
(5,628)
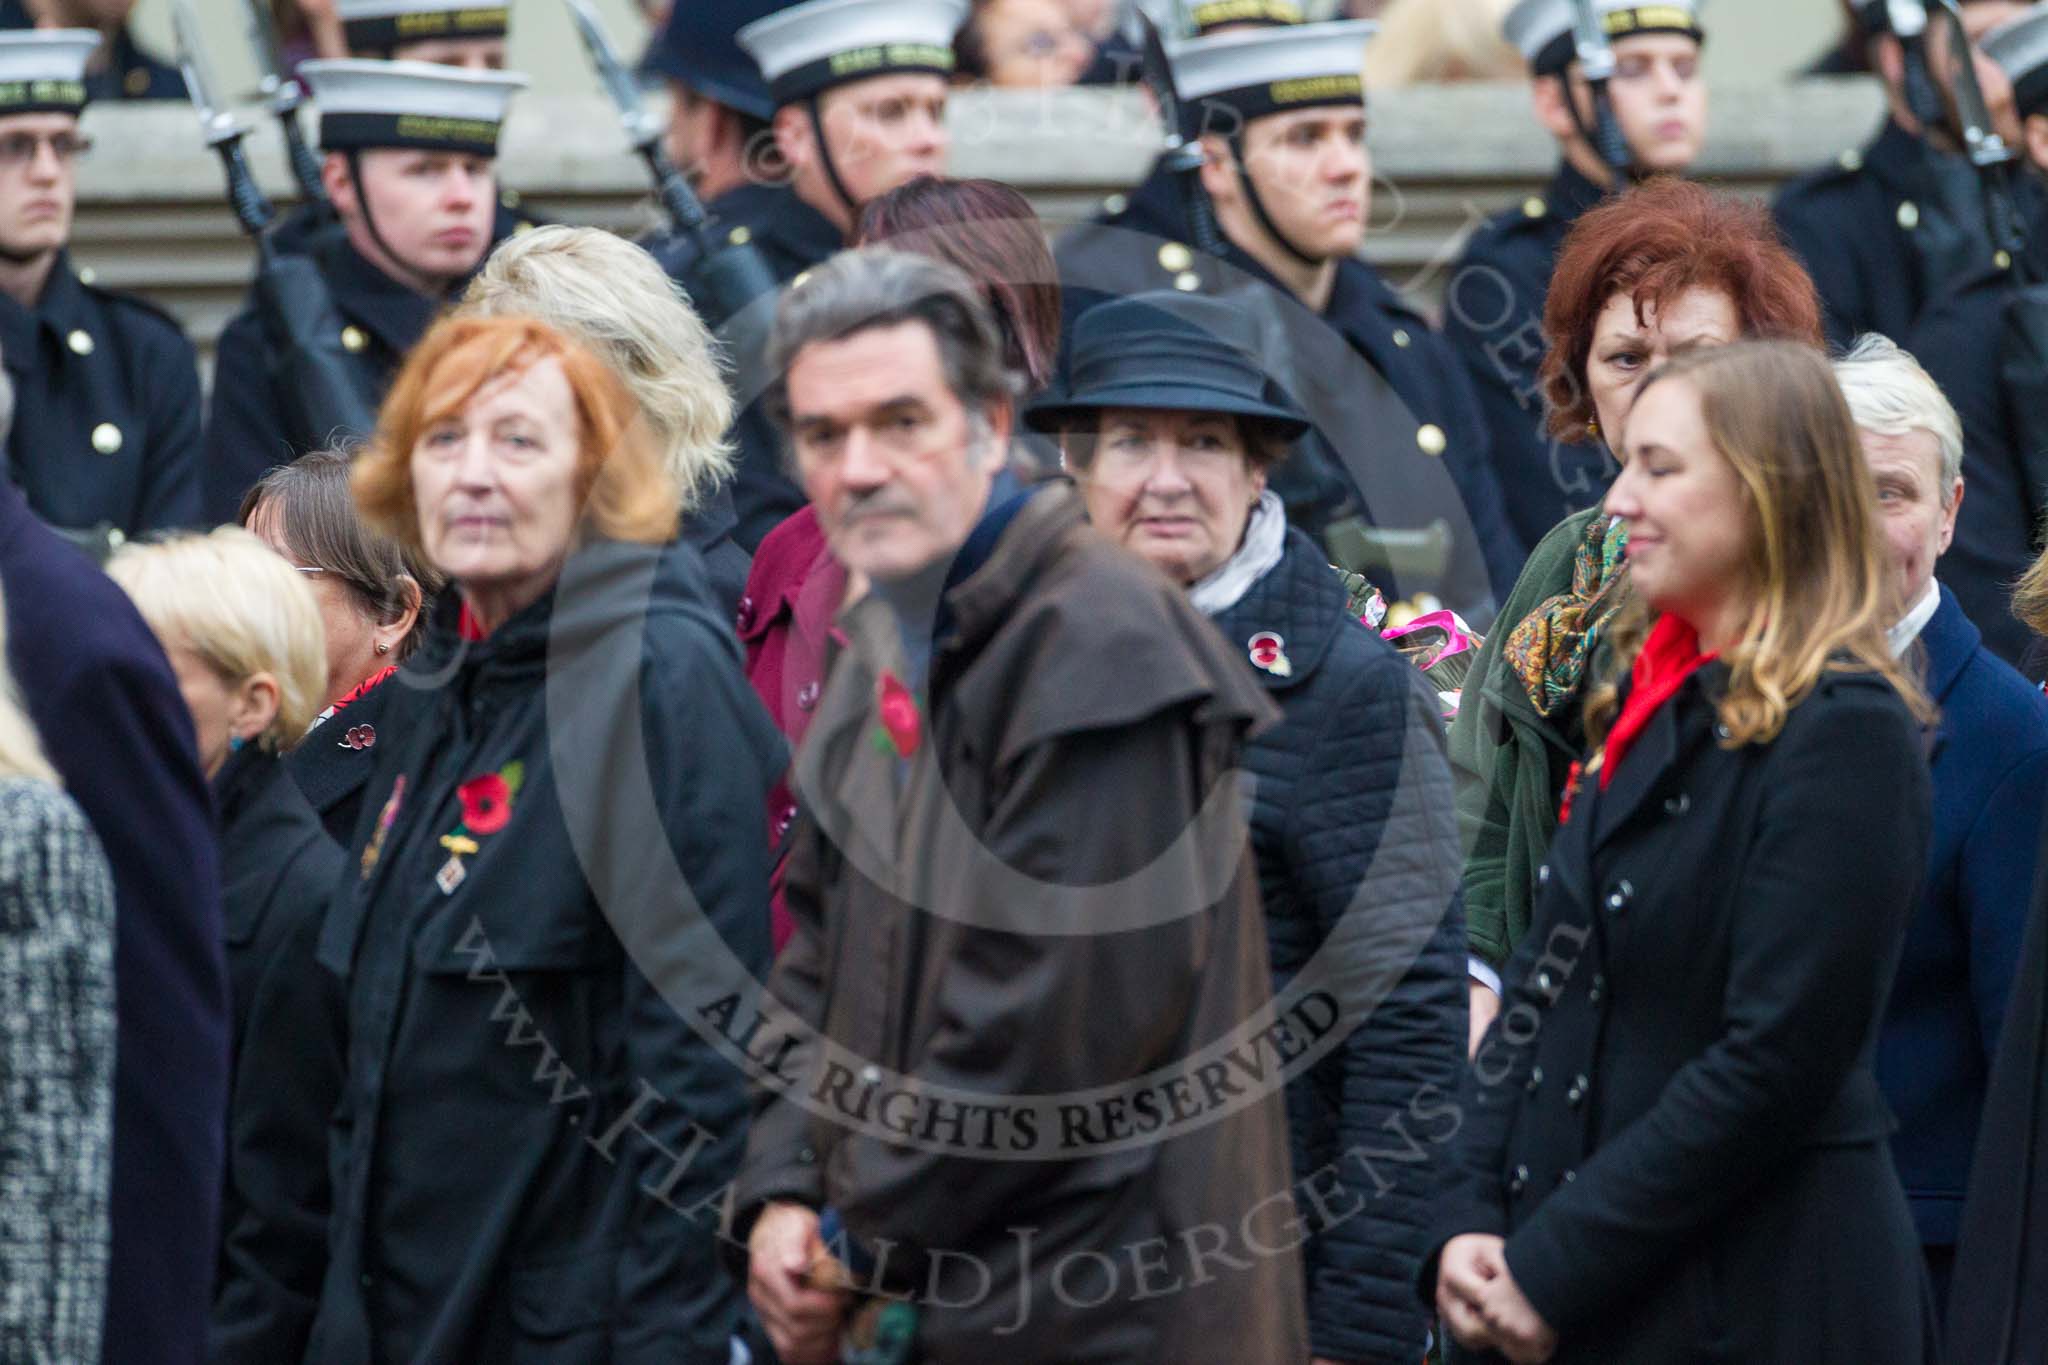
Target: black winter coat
(335,759)
(561,866)
(1674,1122)
(278,868)
(1357,844)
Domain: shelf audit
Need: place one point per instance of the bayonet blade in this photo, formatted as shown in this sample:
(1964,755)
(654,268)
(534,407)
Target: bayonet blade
(218,124)
(261,29)
(612,73)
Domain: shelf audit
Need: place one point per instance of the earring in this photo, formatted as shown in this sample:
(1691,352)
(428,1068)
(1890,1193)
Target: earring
(1593,428)
(235,743)
(383,648)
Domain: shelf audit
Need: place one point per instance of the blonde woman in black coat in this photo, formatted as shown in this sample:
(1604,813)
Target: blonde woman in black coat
(1674,1147)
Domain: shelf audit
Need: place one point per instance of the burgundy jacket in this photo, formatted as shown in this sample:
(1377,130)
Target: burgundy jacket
(785,621)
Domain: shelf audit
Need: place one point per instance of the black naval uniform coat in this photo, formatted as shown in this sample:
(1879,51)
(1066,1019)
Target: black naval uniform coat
(1871,231)
(1493,315)
(792,237)
(253,426)
(1138,249)
(1959,339)
(106,409)
(278,869)
(1675,1123)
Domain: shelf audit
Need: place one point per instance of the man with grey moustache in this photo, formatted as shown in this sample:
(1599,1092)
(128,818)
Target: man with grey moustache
(1018,879)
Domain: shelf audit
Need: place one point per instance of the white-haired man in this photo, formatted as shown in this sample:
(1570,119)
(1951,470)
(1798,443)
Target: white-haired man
(1990,769)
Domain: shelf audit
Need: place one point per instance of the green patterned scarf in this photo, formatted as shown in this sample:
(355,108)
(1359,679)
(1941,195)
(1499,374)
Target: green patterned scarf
(1550,649)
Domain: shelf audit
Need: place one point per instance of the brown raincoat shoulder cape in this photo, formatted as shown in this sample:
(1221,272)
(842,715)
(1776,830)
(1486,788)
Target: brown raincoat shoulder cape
(1004,921)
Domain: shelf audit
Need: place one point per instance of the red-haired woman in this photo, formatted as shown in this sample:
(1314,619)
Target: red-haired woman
(567,828)
(795,589)
(1665,268)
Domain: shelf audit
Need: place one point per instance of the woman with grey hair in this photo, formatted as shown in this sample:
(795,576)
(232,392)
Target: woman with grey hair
(1942,1022)
(614,298)
(56,1055)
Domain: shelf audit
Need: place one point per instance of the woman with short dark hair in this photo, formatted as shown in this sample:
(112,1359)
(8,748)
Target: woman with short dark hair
(372,595)
(1673,1143)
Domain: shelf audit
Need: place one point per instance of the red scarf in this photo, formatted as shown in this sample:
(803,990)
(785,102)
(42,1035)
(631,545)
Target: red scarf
(1669,656)
(467,627)
(364,686)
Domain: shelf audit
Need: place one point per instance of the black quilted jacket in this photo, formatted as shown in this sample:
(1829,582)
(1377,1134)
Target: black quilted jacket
(1356,838)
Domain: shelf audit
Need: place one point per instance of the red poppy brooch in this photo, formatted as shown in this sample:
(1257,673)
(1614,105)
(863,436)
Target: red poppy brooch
(486,809)
(359,737)
(901,730)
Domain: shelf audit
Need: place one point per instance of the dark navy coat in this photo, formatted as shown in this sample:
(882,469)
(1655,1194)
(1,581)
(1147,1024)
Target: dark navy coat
(1674,1122)
(1357,847)
(1493,316)
(1963,946)
(112,721)
(1997,1314)
(252,426)
(106,409)
(278,869)
(1959,339)
(792,237)
(499,1011)
(1398,442)
(1872,233)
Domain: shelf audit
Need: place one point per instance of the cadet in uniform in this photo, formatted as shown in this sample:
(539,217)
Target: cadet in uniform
(857,93)
(105,441)
(1156,205)
(1962,340)
(409,150)
(127,72)
(453,33)
(1493,301)
(1398,443)
(1887,228)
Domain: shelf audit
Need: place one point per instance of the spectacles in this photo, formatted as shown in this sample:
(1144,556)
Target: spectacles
(308,568)
(19,149)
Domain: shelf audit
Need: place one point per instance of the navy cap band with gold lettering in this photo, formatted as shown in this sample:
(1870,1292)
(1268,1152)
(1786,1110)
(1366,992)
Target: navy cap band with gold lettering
(42,71)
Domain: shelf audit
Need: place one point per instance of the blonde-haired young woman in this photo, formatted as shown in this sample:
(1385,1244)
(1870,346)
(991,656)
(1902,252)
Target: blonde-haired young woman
(56,1054)
(613,297)
(1674,1143)
(243,632)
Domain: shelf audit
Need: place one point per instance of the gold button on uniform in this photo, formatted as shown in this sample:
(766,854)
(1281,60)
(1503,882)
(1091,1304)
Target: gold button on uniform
(1430,437)
(521,228)
(739,236)
(136,83)
(1115,204)
(1187,281)
(352,339)
(2002,259)
(1909,215)
(1175,257)
(88,275)
(1401,337)
(106,438)
(509,198)
(1851,160)
(1532,207)
(80,342)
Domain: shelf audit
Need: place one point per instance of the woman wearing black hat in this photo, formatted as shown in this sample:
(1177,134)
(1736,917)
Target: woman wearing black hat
(1169,430)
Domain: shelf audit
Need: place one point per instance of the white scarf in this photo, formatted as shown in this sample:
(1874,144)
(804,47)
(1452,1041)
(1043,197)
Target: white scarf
(1265,537)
